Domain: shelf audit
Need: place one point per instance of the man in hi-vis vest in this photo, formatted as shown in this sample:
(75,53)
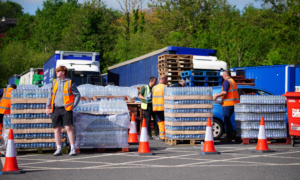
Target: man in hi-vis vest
(158,105)
(230,97)
(147,107)
(63,99)
(5,103)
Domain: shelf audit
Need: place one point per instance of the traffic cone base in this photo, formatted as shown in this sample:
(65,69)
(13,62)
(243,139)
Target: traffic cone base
(144,148)
(132,138)
(10,165)
(209,147)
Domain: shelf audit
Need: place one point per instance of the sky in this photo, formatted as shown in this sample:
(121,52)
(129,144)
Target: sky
(30,6)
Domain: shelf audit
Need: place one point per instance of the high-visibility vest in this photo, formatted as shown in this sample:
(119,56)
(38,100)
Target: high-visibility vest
(232,96)
(5,101)
(144,102)
(158,97)
(67,95)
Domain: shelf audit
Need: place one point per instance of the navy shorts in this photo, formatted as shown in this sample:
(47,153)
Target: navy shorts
(62,117)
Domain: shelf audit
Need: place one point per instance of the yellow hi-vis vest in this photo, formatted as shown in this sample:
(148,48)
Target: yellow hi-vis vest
(158,97)
(5,101)
(232,96)
(67,95)
(144,103)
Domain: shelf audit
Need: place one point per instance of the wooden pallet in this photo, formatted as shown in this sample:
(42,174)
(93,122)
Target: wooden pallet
(101,150)
(40,151)
(175,65)
(169,73)
(174,56)
(169,69)
(272,141)
(182,142)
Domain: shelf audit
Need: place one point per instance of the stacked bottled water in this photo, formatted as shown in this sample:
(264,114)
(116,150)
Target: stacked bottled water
(31,116)
(263,99)
(37,145)
(32,126)
(38,136)
(188,91)
(269,133)
(88,90)
(193,101)
(250,110)
(103,106)
(31,92)
(6,121)
(109,131)
(186,119)
(23,106)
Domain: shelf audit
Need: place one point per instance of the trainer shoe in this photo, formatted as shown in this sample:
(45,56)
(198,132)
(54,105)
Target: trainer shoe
(73,152)
(156,137)
(57,152)
(150,137)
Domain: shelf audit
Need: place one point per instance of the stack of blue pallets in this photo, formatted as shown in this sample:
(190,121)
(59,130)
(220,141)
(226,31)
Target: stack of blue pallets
(202,78)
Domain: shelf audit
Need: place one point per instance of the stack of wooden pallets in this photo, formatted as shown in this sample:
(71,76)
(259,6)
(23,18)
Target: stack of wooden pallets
(172,65)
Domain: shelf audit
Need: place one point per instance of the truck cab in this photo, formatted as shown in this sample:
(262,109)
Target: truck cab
(83,67)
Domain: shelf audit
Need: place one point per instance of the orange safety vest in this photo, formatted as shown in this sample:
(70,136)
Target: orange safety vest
(158,97)
(232,96)
(5,101)
(67,95)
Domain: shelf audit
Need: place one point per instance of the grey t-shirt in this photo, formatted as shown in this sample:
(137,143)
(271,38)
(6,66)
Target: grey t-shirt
(59,100)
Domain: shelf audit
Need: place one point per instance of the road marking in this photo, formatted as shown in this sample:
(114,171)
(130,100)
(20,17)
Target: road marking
(64,160)
(224,160)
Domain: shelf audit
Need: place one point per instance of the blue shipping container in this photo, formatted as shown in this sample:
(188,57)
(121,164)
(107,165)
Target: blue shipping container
(278,79)
(13,78)
(140,69)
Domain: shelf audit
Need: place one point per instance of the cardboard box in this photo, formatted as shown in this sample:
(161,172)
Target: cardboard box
(188,114)
(27,111)
(180,106)
(38,140)
(184,132)
(18,101)
(185,123)
(187,97)
(30,121)
(27,131)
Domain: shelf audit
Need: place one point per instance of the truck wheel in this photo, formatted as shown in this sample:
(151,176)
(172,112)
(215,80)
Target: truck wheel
(217,129)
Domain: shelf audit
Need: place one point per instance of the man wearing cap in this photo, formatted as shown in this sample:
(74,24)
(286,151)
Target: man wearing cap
(63,99)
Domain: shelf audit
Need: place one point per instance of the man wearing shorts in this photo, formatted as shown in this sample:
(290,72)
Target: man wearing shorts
(63,99)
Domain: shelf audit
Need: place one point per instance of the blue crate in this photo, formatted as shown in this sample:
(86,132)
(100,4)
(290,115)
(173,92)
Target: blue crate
(200,73)
(205,84)
(186,73)
(214,79)
(206,73)
(202,78)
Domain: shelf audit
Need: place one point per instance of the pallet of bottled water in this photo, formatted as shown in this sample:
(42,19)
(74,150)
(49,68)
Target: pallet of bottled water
(32,127)
(186,112)
(251,108)
(103,106)
(101,131)
(88,90)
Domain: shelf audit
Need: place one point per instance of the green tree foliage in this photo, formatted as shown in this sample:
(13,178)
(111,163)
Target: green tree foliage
(248,37)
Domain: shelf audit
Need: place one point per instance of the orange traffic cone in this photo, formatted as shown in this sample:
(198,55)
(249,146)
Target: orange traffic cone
(262,145)
(144,148)
(11,165)
(132,138)
(209,147)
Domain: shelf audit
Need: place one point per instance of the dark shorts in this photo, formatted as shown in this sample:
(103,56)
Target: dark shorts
(61,117)
(1,118)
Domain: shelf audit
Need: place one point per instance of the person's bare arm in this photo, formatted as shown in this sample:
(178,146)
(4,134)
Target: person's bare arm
(218,95)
